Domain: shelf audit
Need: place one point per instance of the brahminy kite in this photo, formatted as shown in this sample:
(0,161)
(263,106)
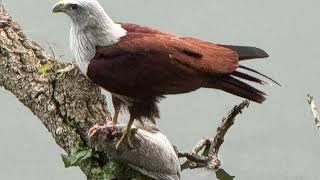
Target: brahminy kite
(140,65)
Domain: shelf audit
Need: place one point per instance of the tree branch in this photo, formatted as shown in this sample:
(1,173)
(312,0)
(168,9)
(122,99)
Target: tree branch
(227,122)
(314,110)
(206,152)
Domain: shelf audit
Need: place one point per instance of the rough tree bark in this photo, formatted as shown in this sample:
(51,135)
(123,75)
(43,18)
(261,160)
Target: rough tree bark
(68,105)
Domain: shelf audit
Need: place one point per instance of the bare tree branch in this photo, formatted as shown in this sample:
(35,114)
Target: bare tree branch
(227,122)
(206,152)
(315,111)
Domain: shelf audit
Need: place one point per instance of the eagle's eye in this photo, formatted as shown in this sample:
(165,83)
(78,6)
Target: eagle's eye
(74,6)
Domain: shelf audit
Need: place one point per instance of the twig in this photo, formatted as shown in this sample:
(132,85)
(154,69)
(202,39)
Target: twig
(194,159)
(227,122)
(209,148)
(315,111)
(51,50)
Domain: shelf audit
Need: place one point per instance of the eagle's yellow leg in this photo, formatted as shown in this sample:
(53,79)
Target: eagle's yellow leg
(126,135)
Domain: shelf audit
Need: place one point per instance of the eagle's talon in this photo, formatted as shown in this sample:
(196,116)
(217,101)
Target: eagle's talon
(114,120)
(130,144)
(92,131)
(120,142)
(125,136)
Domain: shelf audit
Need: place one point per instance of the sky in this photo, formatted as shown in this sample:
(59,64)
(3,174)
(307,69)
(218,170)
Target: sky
(276,140)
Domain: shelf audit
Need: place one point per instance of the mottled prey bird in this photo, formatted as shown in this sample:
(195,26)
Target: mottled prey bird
(140,65)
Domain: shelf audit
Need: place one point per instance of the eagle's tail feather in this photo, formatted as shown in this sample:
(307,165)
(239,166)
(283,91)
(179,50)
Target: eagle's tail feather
(234,86)
(247,77)
(254,71)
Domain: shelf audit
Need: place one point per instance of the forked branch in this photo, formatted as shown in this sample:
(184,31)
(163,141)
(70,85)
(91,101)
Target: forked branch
(206,152)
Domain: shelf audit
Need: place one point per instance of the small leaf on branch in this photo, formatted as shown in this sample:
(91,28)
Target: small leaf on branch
(75,158)
(223,175)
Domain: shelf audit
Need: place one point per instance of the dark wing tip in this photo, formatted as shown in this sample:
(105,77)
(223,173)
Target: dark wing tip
(261,53)
(247,52)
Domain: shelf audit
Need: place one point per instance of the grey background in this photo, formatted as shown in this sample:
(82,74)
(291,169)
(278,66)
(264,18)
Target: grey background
(276,140)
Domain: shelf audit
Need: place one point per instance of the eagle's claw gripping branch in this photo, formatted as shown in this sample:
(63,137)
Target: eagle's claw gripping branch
(127,134)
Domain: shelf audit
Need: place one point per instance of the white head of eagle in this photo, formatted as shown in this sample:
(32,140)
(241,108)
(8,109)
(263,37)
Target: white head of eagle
(91,26)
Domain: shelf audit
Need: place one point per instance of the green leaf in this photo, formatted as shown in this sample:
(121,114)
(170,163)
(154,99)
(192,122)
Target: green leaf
(223,175)
(66,160)
(83,155)
(44,68)
(76,157)
(104,173)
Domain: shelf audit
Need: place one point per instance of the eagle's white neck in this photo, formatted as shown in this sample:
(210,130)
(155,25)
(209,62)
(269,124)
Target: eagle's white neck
(87,33)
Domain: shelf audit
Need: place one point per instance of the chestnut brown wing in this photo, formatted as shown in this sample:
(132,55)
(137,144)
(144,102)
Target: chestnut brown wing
(143,64)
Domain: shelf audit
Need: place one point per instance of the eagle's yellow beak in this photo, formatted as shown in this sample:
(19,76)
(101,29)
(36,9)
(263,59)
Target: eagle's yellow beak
(59,7)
